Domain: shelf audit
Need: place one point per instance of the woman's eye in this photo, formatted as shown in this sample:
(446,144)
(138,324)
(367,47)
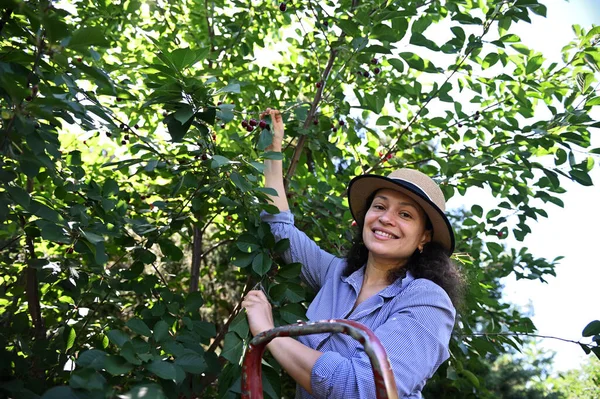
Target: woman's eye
(405,215)
(377,206)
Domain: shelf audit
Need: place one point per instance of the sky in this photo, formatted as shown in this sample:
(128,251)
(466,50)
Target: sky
(563,306)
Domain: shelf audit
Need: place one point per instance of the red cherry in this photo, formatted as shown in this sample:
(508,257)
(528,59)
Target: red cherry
(500,234)
(262,124)
(79,59)
(315,121)
(119,99)
(69,250)
(354,224)
(222,126)
(366,74)
(319,85)
(219,103)
(249,128)
(282,7)
(204,157)
(374,61)
(342,123)
(28,98)
(253,122)
(376,71)
(245,123)
(389,156)
(214,137)
(460,125)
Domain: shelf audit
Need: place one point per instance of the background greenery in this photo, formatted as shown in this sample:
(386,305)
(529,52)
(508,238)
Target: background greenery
(131,192)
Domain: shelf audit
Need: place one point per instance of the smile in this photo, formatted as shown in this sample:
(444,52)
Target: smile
(383,234)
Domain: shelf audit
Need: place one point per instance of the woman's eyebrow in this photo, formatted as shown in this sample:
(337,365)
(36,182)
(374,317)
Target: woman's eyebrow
(383,197)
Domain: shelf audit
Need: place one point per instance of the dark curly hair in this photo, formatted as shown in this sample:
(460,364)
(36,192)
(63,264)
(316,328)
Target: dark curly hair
(433,264)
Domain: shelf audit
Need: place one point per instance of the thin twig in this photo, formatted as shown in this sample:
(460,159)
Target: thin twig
(515,334)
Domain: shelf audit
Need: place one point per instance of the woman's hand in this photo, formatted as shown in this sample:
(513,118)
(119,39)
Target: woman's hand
(258,310)
(276,128)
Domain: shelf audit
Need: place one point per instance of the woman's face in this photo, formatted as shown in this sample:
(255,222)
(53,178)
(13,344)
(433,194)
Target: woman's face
(394,227)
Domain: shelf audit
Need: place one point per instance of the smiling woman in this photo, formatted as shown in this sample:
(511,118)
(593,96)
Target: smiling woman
(397,280)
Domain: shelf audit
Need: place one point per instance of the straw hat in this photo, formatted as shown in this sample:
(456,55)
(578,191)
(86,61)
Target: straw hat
(418,186)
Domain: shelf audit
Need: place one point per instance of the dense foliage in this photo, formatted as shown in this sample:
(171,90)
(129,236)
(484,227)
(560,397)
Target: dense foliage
(131,193)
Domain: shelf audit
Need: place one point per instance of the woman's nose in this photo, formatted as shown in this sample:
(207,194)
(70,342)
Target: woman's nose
(386,219)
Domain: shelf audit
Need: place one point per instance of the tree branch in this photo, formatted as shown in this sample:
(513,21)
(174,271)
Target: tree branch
(311,114)
(515,334)
(196,258)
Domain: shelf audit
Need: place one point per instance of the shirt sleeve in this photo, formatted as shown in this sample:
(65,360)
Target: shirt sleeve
(316,263)
(416,340)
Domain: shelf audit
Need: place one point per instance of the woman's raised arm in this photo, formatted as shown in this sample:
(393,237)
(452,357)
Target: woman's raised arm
(274,168)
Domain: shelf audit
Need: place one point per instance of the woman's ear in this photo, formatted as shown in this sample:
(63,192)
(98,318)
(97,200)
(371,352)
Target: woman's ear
(425,238)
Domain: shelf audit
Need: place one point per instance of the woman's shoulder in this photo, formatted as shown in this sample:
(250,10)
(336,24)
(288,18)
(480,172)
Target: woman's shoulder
(425,290)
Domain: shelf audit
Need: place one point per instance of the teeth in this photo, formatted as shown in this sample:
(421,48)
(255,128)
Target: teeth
(383,234)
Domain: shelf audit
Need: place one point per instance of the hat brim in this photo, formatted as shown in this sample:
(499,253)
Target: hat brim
(362,187)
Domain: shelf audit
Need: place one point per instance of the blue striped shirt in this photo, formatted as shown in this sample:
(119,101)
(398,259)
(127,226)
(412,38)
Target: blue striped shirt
(413,319)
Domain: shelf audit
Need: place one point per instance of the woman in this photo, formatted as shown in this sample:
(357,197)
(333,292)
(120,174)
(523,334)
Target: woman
(397,280)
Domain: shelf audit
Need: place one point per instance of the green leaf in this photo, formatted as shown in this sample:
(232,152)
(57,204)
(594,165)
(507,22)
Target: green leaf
(239,325)
(419,40)
(230,88)
(92,358)
(116,365)
(593,101)
(184,114)
(176,129)
(282,246)
(233,347)
(581,177)
(145,391)
(117,337)
(193,302)
(60,393)
(163,369)
(70,336)
(276,156)
(471,377)
(261,264)
(533,64)
(160,331)
(243,259)
(52,232)
(85,37)
(593,328)
(265,139)
(92,237)
(397,64)
(138,326)
(290,271)
(192,363)
(184,57)
(218,161)
(240,182)
(128,352)
(20,196)
(477,210)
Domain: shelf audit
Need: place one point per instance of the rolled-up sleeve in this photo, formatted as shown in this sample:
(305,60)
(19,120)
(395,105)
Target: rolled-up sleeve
(315,261)
(416,340)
